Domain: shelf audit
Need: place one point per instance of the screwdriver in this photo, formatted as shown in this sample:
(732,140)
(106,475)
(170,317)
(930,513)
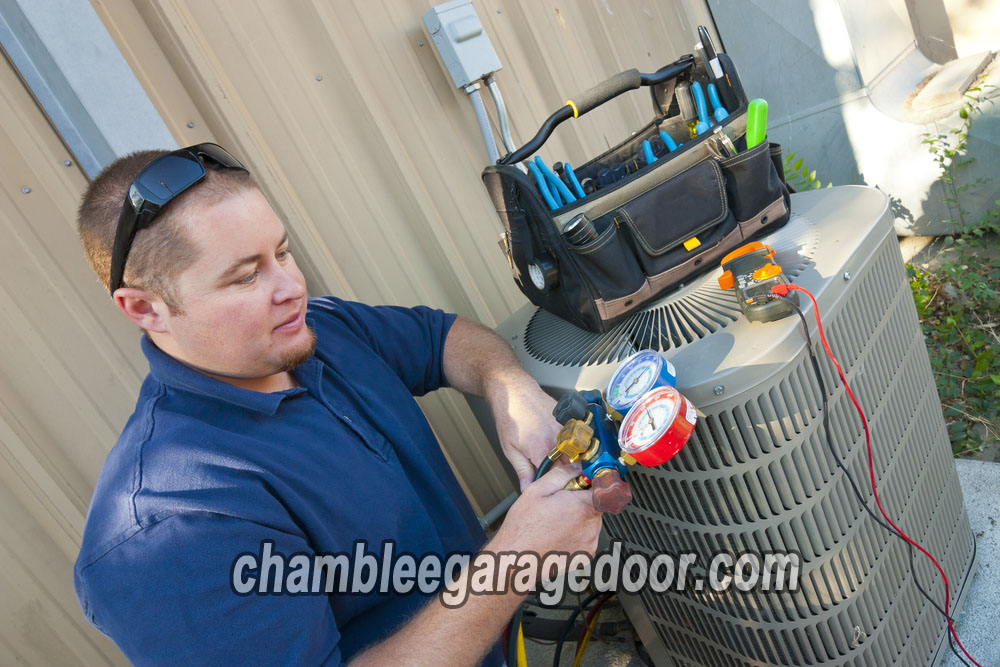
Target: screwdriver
(756,122)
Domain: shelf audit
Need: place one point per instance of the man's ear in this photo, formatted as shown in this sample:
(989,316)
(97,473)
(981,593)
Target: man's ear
(144,308)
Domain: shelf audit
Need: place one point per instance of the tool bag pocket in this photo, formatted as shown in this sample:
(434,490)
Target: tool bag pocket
(753,183)
(665,223)
(608,262)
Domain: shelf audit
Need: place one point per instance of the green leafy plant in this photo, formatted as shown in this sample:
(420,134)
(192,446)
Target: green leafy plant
(959,307)
(950,152)
(958,301)
(957,293)
(800,176)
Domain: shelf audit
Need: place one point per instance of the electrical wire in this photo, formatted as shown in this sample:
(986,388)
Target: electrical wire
(854,485)
(782,291)
(569,625)
(588,629)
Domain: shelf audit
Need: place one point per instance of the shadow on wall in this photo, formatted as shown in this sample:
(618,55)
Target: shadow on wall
(781,58)
(840,79)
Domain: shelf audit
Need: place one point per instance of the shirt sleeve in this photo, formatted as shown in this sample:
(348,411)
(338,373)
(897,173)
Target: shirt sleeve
(409,340)
(166,596)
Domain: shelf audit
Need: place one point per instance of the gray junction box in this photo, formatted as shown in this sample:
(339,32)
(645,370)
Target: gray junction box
(464,46)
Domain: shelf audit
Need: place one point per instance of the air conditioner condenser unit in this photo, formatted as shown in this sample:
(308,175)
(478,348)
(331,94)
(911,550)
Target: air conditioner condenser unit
(759,475)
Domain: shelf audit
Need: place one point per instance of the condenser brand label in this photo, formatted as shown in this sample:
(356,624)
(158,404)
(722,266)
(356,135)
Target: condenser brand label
(553,575)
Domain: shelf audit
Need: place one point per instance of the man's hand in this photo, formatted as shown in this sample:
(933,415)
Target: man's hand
(547,518)
(543,520)
(525,425)
(477,361)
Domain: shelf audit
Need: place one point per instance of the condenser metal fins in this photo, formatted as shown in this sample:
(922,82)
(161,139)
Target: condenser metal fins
(759,475)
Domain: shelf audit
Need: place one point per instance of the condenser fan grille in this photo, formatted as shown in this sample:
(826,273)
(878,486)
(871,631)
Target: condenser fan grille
(688,315)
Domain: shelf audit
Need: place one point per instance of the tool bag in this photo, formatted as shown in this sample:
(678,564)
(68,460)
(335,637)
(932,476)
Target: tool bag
(656,227)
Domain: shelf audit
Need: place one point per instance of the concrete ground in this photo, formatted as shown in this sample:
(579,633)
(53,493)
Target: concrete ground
(977,623)
(979,619)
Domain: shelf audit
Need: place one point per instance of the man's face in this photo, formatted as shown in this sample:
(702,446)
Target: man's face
(243,300)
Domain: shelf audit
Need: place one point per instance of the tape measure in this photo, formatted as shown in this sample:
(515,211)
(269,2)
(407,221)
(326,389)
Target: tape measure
(657,426)
(638,374)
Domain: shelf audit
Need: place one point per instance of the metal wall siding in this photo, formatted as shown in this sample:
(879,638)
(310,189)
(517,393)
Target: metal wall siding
(67,383)
(345,115)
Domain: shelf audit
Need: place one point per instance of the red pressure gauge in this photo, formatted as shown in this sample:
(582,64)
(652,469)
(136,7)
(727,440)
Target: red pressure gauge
(657,426)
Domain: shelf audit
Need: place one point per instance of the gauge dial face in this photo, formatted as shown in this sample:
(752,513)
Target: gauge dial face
(648,420)
(634,378)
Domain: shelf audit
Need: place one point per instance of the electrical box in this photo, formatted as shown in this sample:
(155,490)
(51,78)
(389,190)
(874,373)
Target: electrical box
(460,39)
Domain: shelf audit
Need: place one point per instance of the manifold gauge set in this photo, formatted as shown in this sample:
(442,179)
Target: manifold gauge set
(658,420)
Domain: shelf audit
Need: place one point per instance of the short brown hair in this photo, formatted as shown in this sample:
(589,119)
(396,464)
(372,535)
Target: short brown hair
(161,251)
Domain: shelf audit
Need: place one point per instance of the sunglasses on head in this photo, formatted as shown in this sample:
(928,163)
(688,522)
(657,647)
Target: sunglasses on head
(158,184)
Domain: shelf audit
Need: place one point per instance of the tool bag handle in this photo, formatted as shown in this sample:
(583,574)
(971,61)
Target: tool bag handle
(594,97)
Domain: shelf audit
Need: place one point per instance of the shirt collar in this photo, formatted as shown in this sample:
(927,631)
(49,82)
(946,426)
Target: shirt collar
(167,370)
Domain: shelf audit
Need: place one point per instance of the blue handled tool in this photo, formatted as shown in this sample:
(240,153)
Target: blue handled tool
(577,188)
(713,97)
(553,180)
(647,152)
(542,187)
(669,141)
(701,106)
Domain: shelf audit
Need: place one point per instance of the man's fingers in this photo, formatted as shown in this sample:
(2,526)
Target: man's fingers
(556,478)
(524,470)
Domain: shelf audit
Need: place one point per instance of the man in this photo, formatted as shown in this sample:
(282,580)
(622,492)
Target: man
(268,418)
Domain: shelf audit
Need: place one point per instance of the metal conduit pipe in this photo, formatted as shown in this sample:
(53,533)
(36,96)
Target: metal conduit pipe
(508,141)
(472,90)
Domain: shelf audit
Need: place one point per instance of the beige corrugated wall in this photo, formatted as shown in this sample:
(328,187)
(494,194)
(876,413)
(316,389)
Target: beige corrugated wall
(345,115)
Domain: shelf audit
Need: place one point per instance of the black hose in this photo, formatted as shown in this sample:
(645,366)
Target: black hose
(543,467)
(569,625)
(515,622)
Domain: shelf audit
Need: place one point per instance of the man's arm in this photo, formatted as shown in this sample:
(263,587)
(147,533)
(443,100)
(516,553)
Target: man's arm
(544,519)
(477,361)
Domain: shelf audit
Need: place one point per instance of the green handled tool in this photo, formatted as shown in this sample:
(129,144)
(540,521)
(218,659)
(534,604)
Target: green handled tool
(756,122)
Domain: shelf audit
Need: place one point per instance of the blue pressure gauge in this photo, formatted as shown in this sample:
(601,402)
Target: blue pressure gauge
(637,375)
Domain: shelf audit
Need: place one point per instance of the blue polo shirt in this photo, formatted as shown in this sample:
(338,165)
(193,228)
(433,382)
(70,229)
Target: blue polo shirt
(204,472)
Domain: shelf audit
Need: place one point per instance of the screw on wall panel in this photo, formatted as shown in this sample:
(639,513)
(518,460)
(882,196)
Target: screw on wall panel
(499,11)
(514,337)
(25,190)
(847,275)
(190,124)
(67,163)
(420,42)
(718,390)
(319,77)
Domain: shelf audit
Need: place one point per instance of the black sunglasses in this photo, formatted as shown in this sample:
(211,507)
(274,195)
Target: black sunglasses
(160,182)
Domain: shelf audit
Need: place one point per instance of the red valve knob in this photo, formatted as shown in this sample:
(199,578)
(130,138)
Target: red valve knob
(611,493)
